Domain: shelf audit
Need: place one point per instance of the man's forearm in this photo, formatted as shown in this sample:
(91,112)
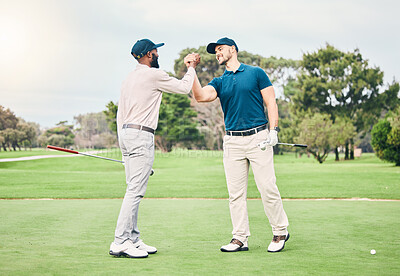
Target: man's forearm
(268,95)
(197,90)
(273,116)
(202,94)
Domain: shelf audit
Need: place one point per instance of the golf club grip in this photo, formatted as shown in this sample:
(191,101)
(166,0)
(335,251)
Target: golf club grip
(300,145)
(62,149)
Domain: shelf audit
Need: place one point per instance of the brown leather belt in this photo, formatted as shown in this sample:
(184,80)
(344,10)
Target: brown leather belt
(145,128)
(246,132)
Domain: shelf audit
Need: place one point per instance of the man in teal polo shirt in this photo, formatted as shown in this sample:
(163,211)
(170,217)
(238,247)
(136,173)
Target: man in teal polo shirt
(243,90)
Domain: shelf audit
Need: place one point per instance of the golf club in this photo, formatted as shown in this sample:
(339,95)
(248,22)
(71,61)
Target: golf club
(90,155)
(263,145)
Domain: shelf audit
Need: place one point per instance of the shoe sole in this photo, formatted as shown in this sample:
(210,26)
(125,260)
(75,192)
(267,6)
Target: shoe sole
(287,238)
(236,250)
(123,254)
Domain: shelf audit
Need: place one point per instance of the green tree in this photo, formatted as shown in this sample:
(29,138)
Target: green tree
(386,138)
(7,118)
(29,132)
(60,140)
(342,131)
(11,138)
(111,116)
(15,131)
(343,85)
(8,123)
(316,131)
(176,125)
(61,135)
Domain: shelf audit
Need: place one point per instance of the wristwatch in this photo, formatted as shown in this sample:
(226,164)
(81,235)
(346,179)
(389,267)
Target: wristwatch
(277,129)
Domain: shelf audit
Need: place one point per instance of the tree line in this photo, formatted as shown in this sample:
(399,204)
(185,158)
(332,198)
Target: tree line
(16,132)
(89,130)
(329,100)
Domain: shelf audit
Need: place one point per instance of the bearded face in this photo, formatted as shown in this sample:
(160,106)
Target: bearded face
(154,61)
(223,54)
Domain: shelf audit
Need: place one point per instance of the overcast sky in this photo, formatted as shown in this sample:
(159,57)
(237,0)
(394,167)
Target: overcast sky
(62,58)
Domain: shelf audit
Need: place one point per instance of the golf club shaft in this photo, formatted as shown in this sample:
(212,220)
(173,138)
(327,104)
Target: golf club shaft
(81,153)
(293,145)
(90,155)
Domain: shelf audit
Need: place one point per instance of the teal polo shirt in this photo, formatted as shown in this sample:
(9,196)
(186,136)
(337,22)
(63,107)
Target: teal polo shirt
(240,96)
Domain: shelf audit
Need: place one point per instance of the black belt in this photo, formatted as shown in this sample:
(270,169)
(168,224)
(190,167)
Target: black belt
(247,132)
(139,127)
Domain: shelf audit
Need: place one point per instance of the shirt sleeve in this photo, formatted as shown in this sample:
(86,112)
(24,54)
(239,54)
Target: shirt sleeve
(166,83)
(263,79)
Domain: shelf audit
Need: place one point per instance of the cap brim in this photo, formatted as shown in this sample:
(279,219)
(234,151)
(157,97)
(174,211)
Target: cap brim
(158,45)
(211,47)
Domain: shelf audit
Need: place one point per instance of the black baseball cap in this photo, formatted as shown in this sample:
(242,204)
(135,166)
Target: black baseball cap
(143,46)
(221,41)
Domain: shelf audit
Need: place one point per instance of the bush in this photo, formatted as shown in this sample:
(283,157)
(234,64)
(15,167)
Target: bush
(386,138)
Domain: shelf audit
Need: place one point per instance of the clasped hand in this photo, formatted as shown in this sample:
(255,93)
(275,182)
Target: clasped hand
(192,59)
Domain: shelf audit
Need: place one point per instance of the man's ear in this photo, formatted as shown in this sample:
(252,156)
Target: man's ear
(149,54)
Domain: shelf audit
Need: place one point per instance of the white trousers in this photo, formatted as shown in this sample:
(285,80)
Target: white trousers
(137,148)
(239,153)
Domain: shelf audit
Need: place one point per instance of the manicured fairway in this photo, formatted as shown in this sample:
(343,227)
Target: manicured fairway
(72,237)
(196,174)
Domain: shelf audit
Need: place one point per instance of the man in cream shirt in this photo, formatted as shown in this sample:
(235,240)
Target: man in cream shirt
(137,119)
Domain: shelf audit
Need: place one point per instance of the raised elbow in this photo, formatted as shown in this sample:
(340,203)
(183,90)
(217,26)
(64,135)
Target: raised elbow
(200,98)
(196,97)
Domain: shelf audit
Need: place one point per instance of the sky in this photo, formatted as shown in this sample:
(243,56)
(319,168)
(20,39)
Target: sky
(62,58)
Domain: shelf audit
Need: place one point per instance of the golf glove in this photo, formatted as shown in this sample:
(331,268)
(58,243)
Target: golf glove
(273,138)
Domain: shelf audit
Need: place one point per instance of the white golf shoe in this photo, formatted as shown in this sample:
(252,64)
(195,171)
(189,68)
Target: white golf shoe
(142,246)
(278,243)
(234,246)
(127,249)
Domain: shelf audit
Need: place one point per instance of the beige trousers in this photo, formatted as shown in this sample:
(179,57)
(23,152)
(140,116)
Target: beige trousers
(239,153)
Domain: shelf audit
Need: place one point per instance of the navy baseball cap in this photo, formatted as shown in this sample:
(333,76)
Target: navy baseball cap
(221,41)
(143,46)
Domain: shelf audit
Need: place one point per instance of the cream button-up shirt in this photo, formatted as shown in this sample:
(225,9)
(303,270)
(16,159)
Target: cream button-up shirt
(141,94)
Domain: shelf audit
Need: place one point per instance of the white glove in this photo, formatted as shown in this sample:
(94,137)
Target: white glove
(273,137)
(272,140)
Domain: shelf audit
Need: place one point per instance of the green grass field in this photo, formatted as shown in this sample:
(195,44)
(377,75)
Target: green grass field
(72,237)
(23,153)
(196,174)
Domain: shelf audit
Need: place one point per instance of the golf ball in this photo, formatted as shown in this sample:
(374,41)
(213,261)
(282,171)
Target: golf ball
(373,252)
